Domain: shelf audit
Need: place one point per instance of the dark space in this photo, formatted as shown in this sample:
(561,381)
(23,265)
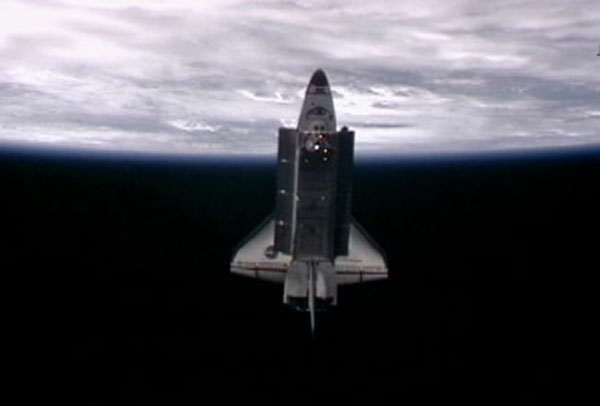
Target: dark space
(125,293)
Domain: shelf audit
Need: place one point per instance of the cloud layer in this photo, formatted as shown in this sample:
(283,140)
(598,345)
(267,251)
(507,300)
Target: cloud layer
(217,77)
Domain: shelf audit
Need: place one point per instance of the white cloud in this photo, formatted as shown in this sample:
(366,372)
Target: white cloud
(276,98)
(221,76)
(192,125)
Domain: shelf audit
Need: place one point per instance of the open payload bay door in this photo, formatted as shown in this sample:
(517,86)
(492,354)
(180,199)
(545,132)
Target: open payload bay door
(256,256)
(364,262)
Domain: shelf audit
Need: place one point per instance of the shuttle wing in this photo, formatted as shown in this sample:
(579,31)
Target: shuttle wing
(256,256)
(364,262)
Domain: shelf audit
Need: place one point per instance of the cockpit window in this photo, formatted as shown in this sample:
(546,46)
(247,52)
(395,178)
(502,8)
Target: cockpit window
(317,111)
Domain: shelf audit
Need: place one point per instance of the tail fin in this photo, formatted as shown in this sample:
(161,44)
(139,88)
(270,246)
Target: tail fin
(312,287)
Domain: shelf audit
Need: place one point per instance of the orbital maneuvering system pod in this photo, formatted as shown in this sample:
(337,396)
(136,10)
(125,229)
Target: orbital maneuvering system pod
(311,243)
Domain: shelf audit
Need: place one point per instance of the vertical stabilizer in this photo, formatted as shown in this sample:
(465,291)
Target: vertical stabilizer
(312,282)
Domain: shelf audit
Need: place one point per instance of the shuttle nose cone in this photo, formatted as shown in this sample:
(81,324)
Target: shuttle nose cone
(319,78)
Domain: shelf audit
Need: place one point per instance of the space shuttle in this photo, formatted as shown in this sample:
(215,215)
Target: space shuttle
(311,244)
